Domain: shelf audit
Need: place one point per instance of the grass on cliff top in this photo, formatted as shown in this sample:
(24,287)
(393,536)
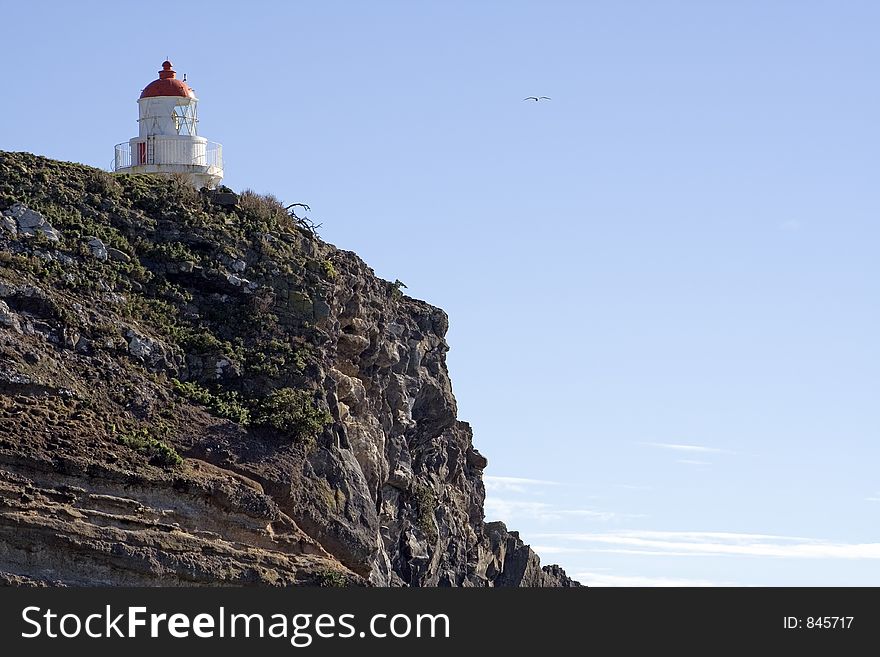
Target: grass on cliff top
(158,225)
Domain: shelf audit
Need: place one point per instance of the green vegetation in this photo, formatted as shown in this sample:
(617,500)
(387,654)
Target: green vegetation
(262,206)
(291,412)
(227,404)
(267,210)
(274,358)
(197,317)
(172,252)
(396,288)
(329,269)
(159,452)
(331,579)
(158,313)
(201,341)
(424,501)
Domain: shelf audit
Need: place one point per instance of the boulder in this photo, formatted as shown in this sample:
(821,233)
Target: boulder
(117,256)
(8,224)
(97,247)
(8,318)
(31,222)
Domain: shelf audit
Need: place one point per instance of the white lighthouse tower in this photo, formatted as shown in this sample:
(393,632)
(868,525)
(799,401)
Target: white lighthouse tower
(168,140)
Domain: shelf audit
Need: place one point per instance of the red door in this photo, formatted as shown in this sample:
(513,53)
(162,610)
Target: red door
(142,153)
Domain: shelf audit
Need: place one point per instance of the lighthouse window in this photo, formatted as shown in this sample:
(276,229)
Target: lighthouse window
(184,120)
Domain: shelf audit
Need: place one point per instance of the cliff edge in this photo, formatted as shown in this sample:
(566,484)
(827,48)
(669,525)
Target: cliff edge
(196,390)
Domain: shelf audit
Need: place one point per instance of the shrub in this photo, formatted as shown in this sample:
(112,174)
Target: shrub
(331,579)
(156,312)
(160,453)
(424,501)
(262,206)
(172,252)
(185,186)
(329,269)
(274,357)
(396,287)
(274,214)
(102,183)
(292,412)
(200,342)
(227,403)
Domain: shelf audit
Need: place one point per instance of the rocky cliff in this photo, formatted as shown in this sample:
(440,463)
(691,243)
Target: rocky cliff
(195,390)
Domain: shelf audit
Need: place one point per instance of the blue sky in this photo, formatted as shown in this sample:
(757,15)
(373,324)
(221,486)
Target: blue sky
(662,283)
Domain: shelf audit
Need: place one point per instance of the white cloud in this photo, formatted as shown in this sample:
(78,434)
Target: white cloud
(498,507)
(557,549)
(715,544)
(520,480)
(873,499)
(505,509)
(510,498)
(515,484)
(607,579)
(678,447)
(692,462)
(604,515)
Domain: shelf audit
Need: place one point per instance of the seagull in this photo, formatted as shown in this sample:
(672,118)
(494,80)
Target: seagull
(537,98)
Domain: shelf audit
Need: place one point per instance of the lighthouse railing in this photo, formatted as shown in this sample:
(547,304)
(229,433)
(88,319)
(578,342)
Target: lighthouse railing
(214,155)
(167,151)
(122,160)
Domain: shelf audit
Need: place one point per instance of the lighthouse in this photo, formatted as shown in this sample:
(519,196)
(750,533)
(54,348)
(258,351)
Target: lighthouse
(168,141)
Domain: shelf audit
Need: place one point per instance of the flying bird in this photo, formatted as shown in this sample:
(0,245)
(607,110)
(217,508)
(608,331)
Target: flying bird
(537,98)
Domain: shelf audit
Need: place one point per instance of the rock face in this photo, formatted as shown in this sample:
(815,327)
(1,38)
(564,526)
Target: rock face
(515,564)
(196,393)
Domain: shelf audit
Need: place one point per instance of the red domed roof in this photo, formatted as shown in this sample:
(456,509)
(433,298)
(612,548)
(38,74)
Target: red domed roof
(167,84)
